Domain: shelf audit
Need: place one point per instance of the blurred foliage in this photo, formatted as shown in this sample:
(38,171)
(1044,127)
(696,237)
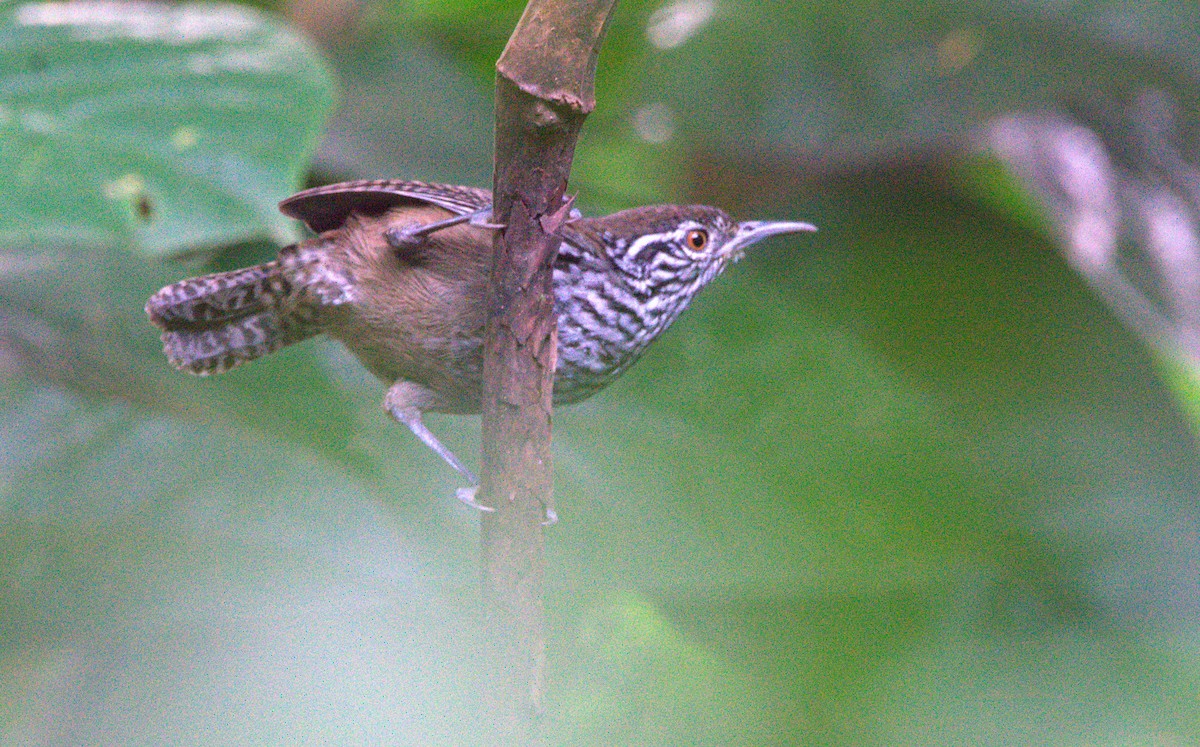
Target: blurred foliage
(903,482)
(170,130)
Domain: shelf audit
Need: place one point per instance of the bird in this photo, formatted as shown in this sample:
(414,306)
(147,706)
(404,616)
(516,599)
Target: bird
(397,271)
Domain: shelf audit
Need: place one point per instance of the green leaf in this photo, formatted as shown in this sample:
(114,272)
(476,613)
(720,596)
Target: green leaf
(167,127)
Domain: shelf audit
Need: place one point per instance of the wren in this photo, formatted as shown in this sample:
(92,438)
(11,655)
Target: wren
(398,273)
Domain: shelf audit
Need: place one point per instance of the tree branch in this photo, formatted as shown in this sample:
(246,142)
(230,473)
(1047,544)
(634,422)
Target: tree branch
(544,90)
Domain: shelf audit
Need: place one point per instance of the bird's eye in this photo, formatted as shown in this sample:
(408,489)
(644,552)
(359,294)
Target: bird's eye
(697,238)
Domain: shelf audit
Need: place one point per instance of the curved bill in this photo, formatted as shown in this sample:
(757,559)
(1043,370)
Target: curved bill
(752,231)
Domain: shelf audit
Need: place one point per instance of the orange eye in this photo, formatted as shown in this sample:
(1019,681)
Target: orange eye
(697,239)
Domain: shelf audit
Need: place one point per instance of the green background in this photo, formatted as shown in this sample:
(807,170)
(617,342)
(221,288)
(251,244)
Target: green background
(905,481)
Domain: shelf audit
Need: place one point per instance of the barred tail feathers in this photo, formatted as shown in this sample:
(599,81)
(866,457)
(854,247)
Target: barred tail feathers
(215,298)
(218,349)
(217,322)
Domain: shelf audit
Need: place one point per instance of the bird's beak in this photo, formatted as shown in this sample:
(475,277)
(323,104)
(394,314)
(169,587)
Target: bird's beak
(753,231)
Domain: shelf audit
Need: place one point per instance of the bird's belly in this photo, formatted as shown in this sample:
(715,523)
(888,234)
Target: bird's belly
(413,347)
(450,361)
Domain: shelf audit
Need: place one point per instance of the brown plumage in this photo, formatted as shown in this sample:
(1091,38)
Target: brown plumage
(399,273)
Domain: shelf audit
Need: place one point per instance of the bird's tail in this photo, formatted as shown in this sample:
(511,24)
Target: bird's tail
(216,322)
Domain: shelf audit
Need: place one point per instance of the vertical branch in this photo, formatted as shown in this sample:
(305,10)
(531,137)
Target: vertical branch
(544,90)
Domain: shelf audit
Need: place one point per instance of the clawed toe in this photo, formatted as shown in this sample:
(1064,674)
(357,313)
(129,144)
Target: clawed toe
(467,496)
(405,237)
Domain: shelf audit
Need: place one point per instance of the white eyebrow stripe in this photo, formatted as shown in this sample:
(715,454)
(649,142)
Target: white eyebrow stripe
(656,238)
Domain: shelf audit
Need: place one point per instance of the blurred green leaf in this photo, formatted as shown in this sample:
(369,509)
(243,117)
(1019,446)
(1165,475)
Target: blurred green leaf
(840,84)
(166,129)
(172,128)
(400,97)
(185,582)
(637,679)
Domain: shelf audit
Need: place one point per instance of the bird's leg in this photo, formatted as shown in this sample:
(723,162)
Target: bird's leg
(413,234)
(404,401)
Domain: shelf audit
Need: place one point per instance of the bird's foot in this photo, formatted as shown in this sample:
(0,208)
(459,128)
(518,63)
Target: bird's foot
(404,237)
(467,496)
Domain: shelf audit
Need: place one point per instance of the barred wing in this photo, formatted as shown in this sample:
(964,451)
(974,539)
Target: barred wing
(326,208)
